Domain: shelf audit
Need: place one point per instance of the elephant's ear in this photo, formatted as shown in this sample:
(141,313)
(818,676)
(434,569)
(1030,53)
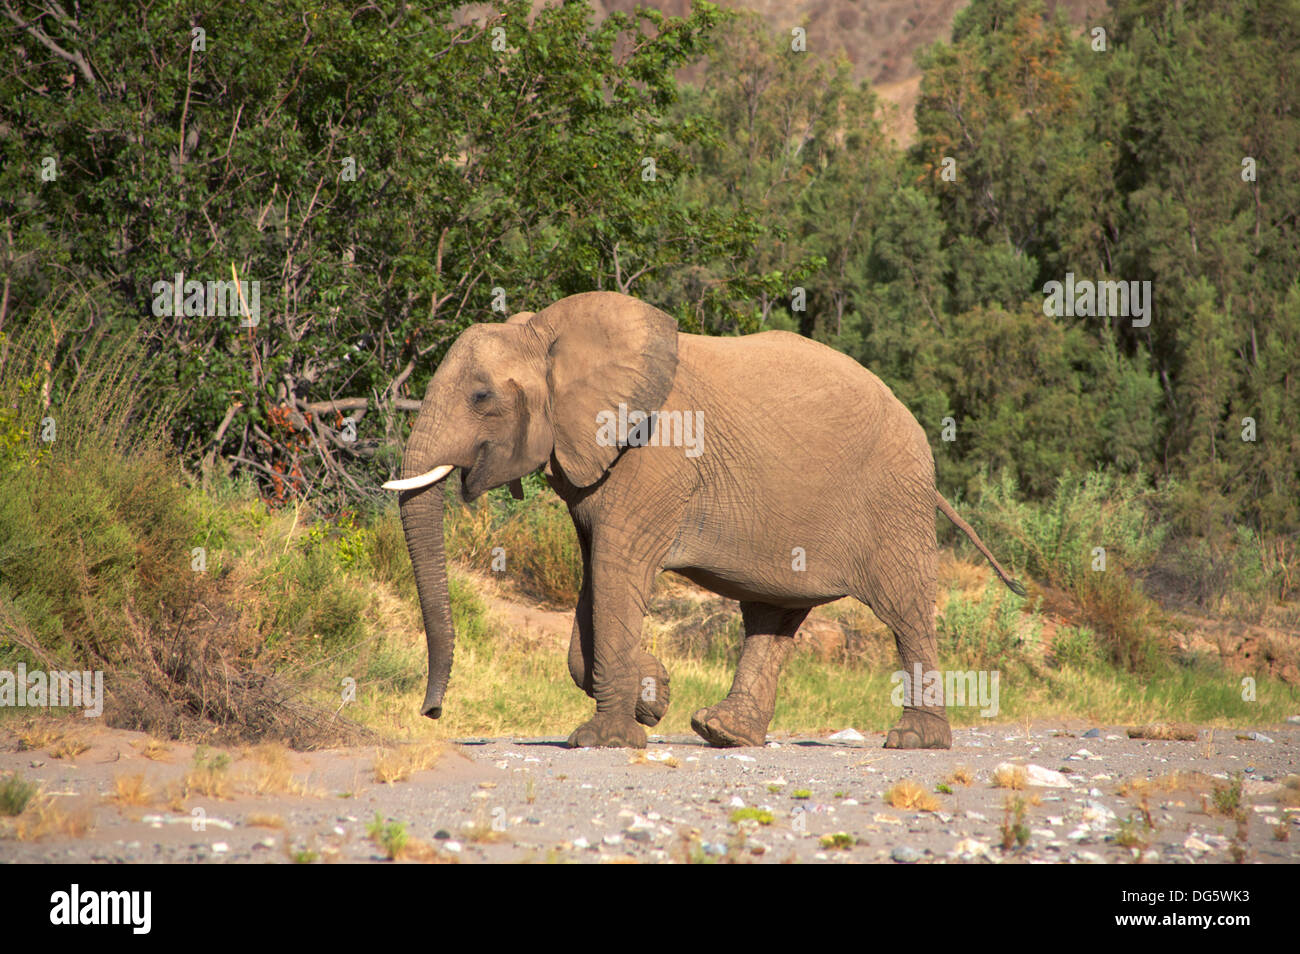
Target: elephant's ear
(605,350)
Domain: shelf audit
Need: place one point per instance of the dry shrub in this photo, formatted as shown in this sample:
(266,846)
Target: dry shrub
(396,765)
(908,795)
(1014,777)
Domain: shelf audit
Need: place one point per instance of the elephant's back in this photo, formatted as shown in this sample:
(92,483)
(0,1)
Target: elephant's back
(789,377)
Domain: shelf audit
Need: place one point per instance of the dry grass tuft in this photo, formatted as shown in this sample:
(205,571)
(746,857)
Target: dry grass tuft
(907,794)
(264,821)
(53,816)
(420,852)
(133,790)
(1164,732)
(1194,782)
(1010,776)
(397,765)
(961,775)
(273,773)
(69,746)
(209,776)
(156,750)
(40,734)
(640,757)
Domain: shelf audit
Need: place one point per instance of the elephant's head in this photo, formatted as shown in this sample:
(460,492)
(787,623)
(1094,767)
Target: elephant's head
(509,398)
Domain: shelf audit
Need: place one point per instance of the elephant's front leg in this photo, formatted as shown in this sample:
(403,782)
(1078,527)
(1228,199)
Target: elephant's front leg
(743,717)
(617,610)
(652,692)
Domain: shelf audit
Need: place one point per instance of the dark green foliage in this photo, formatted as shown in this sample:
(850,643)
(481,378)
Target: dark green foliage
(519,165)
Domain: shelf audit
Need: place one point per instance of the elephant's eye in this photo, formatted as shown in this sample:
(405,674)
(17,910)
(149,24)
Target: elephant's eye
(481,396)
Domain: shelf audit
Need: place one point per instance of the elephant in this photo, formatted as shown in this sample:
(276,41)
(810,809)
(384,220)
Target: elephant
(767,468)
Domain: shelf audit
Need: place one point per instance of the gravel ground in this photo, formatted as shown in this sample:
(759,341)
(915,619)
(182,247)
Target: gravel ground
(510,800)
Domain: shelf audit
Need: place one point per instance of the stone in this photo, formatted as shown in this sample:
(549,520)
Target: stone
(1045,777)
(847,735)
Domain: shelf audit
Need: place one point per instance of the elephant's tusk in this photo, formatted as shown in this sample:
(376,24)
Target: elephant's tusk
(424,480)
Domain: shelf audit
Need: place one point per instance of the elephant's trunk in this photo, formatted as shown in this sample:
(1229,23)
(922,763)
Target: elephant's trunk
(422,523)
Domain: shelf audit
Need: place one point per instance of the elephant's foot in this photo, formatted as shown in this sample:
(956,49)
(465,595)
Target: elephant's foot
(918,729)
(652,693)
(606,730)
(729,724)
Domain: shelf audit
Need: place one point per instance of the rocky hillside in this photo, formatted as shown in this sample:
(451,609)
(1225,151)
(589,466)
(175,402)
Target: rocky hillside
(880,38)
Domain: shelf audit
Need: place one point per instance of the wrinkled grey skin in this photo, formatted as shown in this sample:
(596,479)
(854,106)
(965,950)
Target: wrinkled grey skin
(803,452)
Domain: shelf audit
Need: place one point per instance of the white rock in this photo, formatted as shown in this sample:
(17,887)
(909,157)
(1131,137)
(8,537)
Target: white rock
(613,839)
(1195,845)
(736,802)
(659,756)
(742,758)
(1048,778)
(220,847)
(1097,814)
(847,735)
(1091,858)
(581,843)
(452,846)
(1055,820)
(969,846)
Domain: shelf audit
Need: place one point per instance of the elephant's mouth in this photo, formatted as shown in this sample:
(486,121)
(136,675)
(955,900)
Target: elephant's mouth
(474,479)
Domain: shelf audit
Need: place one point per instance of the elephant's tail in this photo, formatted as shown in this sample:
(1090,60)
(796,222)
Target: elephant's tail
(1014,585)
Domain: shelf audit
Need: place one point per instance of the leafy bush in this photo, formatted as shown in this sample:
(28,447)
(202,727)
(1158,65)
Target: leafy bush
(1075,646)
(987,632)
(541,551)
(1095,531)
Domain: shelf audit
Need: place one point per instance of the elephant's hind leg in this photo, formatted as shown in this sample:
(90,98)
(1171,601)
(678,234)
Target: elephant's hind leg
(904,601)
(743,717)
